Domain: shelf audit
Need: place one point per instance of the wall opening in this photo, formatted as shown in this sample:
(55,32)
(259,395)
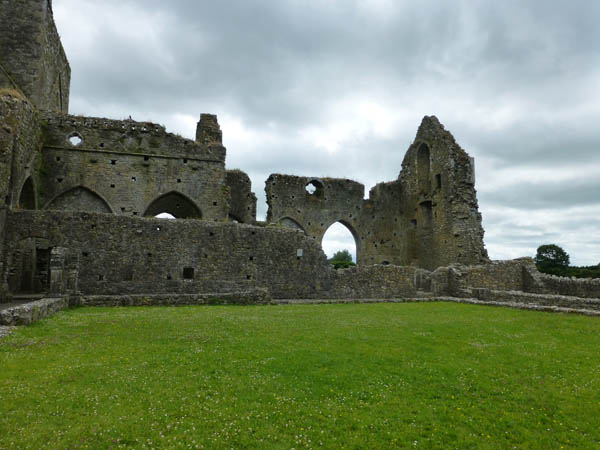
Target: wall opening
(30,271)
(175,204)
(338,237)
(423,169)
(75,139)
(164,215)
(314,188)
(188,273)
(27,195)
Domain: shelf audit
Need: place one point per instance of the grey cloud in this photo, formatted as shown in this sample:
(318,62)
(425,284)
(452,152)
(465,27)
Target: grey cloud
(516,82)
(529,196)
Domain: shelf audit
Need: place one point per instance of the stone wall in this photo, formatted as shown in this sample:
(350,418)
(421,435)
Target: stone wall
(20,143)
(31,54)
(497,275)
(131,168)
(120,255)
(242,203)
(526,298)
(126,255)
(376,281)
(427,218)
(513,280)
(29,313)
(19,155)
(542,283)
(314,204)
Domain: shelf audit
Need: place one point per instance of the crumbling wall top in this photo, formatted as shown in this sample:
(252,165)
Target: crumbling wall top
(127,136)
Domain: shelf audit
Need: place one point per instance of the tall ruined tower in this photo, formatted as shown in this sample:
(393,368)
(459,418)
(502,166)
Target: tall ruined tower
(441,222)
(32,59)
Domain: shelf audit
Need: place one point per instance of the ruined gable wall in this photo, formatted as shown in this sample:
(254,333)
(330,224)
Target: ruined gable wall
(130,164)
(334,200)
(427,218)
(441,221)
(31,54)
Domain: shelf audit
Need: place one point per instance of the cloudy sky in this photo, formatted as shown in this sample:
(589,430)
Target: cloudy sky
(338,88)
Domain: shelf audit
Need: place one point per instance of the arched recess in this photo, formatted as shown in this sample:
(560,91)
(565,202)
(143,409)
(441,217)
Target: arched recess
(291,223)
(176,204)
(27,199)
(340,235)
(79,198)
(423,168)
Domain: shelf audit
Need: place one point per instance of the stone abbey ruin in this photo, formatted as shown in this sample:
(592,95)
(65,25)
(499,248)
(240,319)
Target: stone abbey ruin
(79,196)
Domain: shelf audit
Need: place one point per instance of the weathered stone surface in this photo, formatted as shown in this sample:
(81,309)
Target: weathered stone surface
(242,207)
(250,297)
(427,218)
(29,313)
(131,168)
(32,58)
(125,255)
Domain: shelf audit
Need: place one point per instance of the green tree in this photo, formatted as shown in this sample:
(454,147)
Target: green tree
(341,259)
(551,256)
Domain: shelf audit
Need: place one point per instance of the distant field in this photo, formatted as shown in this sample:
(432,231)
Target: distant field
(431,375)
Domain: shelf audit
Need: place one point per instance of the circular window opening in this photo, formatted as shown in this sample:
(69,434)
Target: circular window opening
(314,188)
(75,139)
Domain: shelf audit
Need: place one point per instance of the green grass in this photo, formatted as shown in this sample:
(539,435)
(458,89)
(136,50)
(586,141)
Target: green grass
(432,375)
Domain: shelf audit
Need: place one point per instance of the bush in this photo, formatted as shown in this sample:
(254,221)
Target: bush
(551,256)
(341,260)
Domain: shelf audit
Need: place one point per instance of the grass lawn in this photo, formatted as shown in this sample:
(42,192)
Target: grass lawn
(430,375)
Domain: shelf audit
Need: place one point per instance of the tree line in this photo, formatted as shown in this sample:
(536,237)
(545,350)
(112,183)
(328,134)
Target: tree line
(550,258)
(554,260)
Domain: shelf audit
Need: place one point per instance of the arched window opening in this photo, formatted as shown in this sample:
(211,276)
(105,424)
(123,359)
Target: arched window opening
(175,204)
(423,169)
(75,139)
(339,237)
(291,223)
(27,196)
(314,188)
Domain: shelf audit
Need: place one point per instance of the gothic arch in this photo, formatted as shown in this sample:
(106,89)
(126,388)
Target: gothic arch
(290,222)
(27,197)
(79,198)
(352,231)
(174,203)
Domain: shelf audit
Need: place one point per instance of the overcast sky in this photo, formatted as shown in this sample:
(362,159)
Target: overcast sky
(339,87)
